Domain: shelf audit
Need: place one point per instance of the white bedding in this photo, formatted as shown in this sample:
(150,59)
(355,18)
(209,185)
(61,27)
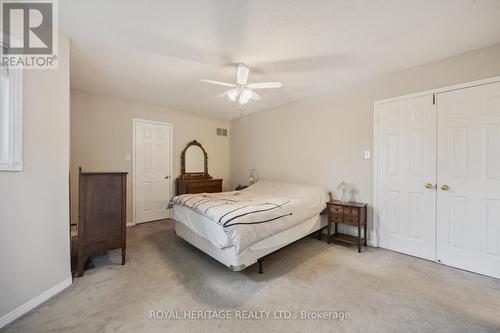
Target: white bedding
(250,215)
(200,224)
(238,261)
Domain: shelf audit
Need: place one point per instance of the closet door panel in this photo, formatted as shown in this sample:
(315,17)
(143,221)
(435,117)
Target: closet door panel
(406,163)
(468,233)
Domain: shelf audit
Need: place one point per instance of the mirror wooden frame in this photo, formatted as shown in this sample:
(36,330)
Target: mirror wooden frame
(196,182)
(191,175)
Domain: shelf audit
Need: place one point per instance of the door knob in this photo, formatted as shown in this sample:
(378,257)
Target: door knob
(429,186)
(167,177)
(445,187)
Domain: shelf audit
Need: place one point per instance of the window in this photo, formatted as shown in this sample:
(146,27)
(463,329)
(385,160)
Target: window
(10,119)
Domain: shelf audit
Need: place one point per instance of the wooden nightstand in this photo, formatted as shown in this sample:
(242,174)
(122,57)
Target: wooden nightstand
(350,213)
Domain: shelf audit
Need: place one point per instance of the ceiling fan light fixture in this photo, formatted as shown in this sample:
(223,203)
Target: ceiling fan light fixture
(241,91)
(232,94)
(245,96)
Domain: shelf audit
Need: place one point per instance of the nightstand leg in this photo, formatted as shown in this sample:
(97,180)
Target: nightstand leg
(359,237)
(365,234)
(329,231)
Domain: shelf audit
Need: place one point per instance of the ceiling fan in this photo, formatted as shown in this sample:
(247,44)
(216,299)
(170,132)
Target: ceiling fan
(241,90)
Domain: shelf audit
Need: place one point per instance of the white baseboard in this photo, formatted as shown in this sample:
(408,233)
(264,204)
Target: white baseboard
(31,304)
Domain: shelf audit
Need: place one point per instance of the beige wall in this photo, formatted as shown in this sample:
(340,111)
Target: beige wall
(321,140)
(101,136)
(34,205)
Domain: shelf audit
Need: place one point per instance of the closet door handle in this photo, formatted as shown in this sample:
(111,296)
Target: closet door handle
(429,186)
(445,187)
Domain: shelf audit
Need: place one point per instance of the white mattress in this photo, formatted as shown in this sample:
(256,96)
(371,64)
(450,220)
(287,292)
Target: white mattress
(230,257)
(243,218)
(202,226)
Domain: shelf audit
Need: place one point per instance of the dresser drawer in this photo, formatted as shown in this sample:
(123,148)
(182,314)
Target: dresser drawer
(200,185)
(208,186)
(204,188)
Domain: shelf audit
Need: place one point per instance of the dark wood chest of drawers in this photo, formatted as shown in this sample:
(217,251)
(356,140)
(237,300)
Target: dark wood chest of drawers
(101,214)
(350,213)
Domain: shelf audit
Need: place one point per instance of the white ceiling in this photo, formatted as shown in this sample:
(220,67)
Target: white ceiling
(156,51)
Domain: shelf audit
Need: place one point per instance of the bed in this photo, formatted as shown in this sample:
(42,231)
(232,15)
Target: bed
(238,228)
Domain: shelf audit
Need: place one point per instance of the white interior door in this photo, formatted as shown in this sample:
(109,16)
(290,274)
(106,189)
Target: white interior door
(468,234)
(406,163)
(152,170)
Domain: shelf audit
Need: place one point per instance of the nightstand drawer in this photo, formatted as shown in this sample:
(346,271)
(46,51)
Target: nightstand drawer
(350,211)
(334,209)
(337,218)
(351,220)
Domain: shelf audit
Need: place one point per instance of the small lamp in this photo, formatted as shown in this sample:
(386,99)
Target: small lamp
(345,195)
(254,177)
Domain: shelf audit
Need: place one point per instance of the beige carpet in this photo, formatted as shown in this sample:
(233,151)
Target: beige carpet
(383,291)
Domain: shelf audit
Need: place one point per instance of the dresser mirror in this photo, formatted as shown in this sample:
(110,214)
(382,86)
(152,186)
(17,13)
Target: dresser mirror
(194,176)
(194,159)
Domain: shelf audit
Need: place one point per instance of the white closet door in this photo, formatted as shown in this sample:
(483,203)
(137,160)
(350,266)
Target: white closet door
(468,234)
(152,171)
(406,163)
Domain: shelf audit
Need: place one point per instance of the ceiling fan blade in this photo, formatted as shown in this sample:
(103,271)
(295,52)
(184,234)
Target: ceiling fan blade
(242,74)
(232,85)
(255,96)
(265,85)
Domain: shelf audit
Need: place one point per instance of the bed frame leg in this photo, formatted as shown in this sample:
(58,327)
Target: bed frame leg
(260,265)
(319,234)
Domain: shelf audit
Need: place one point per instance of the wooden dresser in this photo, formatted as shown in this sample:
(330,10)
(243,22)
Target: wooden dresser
(350,213)
(194,185)
(194,176)
(101,214)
